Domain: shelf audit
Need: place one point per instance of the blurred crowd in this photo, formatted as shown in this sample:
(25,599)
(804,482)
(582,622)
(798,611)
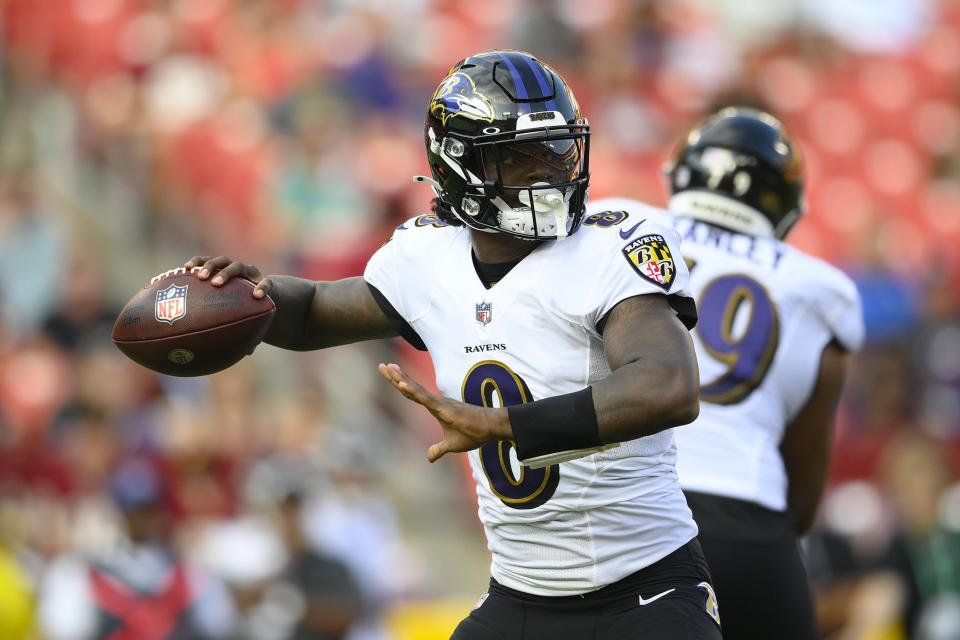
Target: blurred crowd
(289,497)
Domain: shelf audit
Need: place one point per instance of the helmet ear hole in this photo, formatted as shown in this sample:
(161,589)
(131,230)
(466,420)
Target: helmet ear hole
(453,147)
(470,207)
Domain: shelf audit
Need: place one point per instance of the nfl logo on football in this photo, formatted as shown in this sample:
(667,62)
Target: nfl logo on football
(485,313)
(171,303)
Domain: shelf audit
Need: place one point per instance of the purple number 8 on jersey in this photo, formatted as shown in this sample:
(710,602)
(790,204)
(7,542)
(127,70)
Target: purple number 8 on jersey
(531,487)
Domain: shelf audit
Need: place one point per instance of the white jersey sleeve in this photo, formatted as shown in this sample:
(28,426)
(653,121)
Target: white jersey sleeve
(395,264)
(821,306)
(836,301)
(633,250)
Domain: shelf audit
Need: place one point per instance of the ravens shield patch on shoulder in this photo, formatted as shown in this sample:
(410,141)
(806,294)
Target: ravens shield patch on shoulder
(650,256)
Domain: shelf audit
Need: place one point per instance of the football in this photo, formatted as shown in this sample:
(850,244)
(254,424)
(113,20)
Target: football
(180,325)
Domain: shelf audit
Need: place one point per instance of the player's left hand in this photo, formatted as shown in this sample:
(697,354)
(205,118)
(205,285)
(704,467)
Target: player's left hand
(464,426)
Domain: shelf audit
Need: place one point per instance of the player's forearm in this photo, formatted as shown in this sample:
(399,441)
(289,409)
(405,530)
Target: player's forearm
(806,477)
(806,443)
(654,386)
(314,315)
(802,502)
(616,409)
(655,381)
(294,298)
(644,398)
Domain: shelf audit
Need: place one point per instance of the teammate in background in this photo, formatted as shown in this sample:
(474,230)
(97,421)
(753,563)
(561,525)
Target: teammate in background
(775,330)
(581,344)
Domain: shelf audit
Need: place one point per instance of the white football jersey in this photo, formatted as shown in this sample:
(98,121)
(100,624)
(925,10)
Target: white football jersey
(572,527)
(766,311)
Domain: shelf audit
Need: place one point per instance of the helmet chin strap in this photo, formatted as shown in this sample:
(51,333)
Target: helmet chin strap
(438,190)
(549,205)
(548,211)
(430,181)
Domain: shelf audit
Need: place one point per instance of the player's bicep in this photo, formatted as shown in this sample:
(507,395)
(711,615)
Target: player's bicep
(655,377)
(345,311)
(646,328)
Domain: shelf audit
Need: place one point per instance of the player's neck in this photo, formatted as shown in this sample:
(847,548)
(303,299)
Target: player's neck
(493,248)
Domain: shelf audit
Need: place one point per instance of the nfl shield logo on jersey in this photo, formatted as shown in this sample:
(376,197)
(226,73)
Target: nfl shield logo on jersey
(650,257)
(485,312)
(171,303)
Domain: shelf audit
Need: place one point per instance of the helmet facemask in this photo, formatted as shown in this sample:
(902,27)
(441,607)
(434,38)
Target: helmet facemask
(530,184)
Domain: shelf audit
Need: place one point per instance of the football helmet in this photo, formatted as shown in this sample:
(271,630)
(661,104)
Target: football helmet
(738,169)
(508,147)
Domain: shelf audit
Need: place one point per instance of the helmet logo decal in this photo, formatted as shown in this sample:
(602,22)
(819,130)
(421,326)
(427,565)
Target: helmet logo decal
(457,96)
(650,257)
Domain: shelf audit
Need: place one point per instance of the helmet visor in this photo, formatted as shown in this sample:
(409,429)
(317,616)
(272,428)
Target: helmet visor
(557,162)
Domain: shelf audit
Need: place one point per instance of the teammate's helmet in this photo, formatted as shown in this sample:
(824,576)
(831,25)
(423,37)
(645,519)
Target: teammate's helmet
(508,147)
(739,170)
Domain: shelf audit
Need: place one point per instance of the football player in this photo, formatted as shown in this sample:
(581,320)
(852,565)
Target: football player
(562,352)
(776,327)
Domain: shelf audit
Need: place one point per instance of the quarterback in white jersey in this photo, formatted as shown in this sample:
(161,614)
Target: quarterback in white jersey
(562,352)
(774,325)
(565,528)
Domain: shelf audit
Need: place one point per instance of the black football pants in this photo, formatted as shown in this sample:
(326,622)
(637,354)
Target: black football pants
(630,609)
(757,570)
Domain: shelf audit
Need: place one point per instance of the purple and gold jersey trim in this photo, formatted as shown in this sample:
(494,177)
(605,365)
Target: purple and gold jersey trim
(430,220)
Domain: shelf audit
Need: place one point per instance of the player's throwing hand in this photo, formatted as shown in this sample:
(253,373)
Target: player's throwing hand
(223,268)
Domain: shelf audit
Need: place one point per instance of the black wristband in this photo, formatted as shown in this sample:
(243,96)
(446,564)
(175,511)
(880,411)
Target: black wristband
(555,424)
(293,297)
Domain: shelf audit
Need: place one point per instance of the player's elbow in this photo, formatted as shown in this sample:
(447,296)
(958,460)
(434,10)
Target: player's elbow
(802,504)
(803,524)
(686,407)
(678,403)
(643,399)
(683,396)
(692,411)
